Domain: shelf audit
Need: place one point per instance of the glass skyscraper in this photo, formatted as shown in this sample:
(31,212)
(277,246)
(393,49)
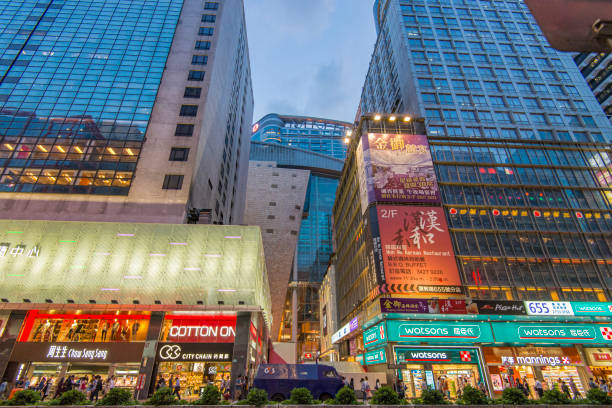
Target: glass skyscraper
(520,145)
(597,71)
(108,98)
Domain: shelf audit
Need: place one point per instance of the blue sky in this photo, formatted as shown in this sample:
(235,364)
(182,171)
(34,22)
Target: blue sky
(309,57)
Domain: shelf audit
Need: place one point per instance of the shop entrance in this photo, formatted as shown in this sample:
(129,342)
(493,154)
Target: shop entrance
(446,369)
(194,376)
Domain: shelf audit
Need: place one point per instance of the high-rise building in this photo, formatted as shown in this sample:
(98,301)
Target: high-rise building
(477,181)
(597,70)
(133,110)
(315,146)
(124,122)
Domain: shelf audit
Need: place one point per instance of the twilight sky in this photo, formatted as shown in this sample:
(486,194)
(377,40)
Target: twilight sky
(309,57)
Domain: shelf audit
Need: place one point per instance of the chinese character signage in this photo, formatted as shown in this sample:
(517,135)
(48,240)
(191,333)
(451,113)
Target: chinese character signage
(508,332)
(78,352)
(413,249)
(375,335)
(399,168)
(432,306)
(549,308)
(195,352)
(376,357)
(474,332)
(435,355)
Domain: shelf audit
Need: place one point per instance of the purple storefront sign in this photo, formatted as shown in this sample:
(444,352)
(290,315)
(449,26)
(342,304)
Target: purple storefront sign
(353,324)
(400,305)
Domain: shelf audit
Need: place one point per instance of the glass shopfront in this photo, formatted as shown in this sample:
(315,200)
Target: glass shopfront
(552,366)
(448,369)
(600,362)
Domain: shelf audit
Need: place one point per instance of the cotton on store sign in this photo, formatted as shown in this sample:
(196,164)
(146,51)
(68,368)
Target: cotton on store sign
(187,329)
(179,332)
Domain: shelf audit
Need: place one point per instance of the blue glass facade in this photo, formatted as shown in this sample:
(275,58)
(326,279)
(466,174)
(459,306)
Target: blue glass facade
(317,135)
(78,82)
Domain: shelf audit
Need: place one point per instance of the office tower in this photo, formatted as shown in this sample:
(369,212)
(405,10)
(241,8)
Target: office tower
(122,121)
(597,70)
(124,110)
(481,166)
(283,149)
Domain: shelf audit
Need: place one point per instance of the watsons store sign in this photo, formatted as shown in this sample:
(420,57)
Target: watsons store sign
(375,335)
(475,332)
(441,355)
(537,333)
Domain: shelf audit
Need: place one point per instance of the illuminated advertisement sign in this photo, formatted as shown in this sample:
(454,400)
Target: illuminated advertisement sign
(539,360)
(415,248)
(554,333)
(539,308)
(441,355)
(375,335)
(496,307)
(195,352)
(376,357)
(476,332)
(345,330)
(199,329)
(78,352)
(399,168)
(592,308)
(418,306)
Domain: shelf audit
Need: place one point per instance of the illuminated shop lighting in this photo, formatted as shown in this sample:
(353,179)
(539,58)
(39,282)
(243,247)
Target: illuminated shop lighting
(346,140)
(392,118)
(377,117)
(129,151)
(61,149)
(103,253)
(8,146)
(42,148)
(78,149)
(407,118)
(349,132)
(213,255)
(192,269)
(111,150)
(66,241)
(14,232)
(232,237)
(110,289)
(226,290)
(178,243)
(157,254)
(125,235)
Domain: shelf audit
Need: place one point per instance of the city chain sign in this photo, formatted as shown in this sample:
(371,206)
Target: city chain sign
(195,351)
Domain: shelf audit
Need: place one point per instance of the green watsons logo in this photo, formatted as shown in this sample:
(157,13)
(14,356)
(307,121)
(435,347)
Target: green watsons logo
(559,333)
(440,332)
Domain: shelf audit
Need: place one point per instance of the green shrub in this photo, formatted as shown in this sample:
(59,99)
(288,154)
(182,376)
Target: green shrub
(72,397)
(257,397)
(554,397)
(385,396)
(210,396)
(301,396)
(243,402)
(317,402)
(473,396)
(346,396)
(513,396)
(24,397)
(116,396)
(286,402)
(163,396)
(432,397)
(598,397)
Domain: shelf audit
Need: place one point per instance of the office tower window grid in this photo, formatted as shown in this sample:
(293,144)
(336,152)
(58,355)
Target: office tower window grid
(521,147)
(78,79)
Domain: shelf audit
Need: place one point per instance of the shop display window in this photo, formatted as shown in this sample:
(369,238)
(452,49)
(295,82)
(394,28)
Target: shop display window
(194,376)
(84,327)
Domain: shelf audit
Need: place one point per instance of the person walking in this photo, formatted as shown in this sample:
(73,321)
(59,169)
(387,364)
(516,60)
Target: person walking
(352,384)
(60,388)
(539,389)
(46,389)
(177,388)
(565,389)
(377,385)
(3,389)
(96,388)
(603,386)
(574,389)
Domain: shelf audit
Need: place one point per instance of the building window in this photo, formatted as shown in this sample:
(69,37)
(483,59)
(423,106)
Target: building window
(274,185)
(189,110)
(196,76)
(183,130)
(199,59)
(271,217)
(269,231)
(209,18)
(192,92)
(202,45)
(206,31)
(272,204)
(179,154)
(173,182)
(211,5)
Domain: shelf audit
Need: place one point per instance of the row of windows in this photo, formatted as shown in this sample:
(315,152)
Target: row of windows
(504,101)
(527,134)
(509,117)
(497,86)
(487,72)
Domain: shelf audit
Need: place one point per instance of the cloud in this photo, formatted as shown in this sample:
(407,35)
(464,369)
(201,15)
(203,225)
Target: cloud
(282,107)
(327,94)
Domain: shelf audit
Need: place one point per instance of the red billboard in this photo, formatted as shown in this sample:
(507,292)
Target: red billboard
(413,249)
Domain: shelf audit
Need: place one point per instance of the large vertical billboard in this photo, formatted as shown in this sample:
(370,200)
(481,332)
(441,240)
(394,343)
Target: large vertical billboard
(399,168)
(413,250)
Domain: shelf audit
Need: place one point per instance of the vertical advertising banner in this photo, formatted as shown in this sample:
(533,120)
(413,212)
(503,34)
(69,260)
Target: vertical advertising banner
(413,250)
(399,168)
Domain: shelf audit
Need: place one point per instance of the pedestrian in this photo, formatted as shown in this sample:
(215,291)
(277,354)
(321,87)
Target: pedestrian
(520,386)
(366,386)
(539,389)
(362,388)
(592,384)
(46,389)
(161,383)
(377,385)
(603,386)
(96,388)
(482,387)
(352,384)
(565,389)
(238,388)
(60,388)
(574,388)
(3,389)
(177,388)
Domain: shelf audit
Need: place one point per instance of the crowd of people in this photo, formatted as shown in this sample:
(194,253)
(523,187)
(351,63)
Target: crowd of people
(93,387)
(569,388)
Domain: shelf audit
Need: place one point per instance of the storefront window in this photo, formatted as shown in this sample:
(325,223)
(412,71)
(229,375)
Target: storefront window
(194,375)
(84,327)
